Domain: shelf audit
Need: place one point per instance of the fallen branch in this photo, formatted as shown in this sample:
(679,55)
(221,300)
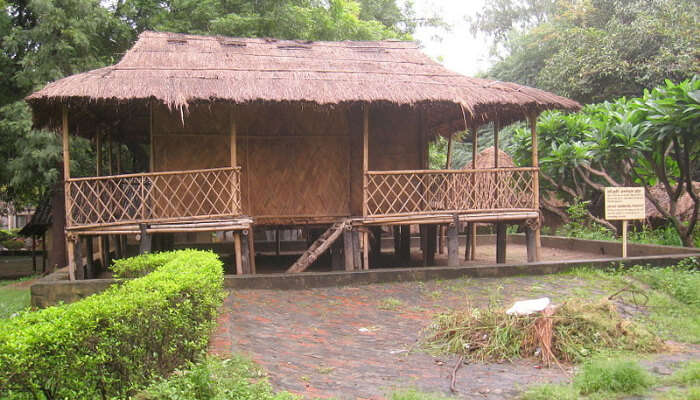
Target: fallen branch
(454,374)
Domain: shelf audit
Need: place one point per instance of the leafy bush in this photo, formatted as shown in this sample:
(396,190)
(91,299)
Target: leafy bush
(7,234)
(135,267)
(214,379)
(612,375)
(115,342)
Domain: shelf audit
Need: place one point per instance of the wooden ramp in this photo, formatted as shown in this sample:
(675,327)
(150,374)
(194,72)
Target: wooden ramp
(319,246)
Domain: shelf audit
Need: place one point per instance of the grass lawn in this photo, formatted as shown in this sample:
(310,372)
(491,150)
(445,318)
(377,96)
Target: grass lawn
(12,299)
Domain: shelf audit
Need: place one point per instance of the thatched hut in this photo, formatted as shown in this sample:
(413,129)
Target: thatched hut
(235,133)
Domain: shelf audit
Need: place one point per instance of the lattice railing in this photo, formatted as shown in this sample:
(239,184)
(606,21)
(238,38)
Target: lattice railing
(153,197)
(430,191)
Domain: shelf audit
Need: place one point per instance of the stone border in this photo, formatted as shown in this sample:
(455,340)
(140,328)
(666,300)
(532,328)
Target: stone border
(56,288)
(385,275)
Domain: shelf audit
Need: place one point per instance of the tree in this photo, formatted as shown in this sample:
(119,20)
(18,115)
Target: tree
(646,141)
(593,50)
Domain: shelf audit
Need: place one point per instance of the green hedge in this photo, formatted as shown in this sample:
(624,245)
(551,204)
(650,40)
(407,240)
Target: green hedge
(113,343)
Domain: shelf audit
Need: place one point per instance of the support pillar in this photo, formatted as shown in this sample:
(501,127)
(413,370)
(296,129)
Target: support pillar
(530,243)
(468,242)
(251,249)
(337,256)
(500,243)
(452,245)
(237,252)
(536,183)
(431,244)
(79,269)
(89,257)
(146,240)
(348,250)
(405,245)
(396,229)
(246,256)
(356,255)
(375,245)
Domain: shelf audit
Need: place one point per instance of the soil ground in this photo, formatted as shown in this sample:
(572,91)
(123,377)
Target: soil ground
(363,342)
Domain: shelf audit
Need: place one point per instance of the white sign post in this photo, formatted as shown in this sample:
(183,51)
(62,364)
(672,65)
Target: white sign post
(624,203)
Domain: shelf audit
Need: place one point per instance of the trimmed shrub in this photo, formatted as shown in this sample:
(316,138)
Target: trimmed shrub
(136,267)
(113,343)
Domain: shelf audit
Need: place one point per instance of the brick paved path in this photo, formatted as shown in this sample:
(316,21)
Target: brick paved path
(353,342)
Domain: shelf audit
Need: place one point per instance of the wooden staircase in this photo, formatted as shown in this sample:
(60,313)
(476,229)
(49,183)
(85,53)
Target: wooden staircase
(319,246)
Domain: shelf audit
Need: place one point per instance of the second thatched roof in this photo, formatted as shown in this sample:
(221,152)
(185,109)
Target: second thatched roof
(179,69)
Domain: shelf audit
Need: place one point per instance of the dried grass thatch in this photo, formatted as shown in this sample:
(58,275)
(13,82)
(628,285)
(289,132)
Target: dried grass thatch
(179,70)
(485,159)
(684,207)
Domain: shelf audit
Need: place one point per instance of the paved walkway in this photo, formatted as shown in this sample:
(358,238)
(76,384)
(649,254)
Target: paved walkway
(361,342)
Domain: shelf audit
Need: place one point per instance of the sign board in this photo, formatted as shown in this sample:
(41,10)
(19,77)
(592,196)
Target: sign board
(624,203)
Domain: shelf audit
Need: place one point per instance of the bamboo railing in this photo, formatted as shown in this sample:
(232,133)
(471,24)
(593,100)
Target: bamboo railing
(153,197)
(397,193)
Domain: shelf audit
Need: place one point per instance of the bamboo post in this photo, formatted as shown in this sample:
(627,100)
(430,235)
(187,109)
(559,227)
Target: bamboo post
(365,250)
(347,250)
(65,139)
(452,245)
(357,262)
(251,250)
(468,240)
(472,230)
(500,242)
(98,171)
(496,128)
(151,159)
(245,253)
(79,273)
(536,185)
(233,149)
(109,154)
(237,250)
(365,156)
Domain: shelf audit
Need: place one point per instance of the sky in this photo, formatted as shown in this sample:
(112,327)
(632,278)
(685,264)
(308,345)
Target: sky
(459,49)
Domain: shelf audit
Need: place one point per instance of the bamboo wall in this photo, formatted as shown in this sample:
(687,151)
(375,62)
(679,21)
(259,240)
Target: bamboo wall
(299,163)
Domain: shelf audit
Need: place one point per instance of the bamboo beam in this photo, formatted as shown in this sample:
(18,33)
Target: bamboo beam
(65,140)
(536,183)
(237,251)
(496,128)
(365,156)
(98,153)
(151,159)
(472,226)
(450,171)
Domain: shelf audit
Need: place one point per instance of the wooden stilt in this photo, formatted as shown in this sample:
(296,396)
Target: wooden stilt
(337,260)
(431,244)
(237,252)
(145,242)
(348,250)
(78,260)
(530,243)
(452,246)
(375,244)
(251,250)
(468,242)
(472,233)
(442,232)
(90,258)
(422,228)
(245,253)
(365,250)
(356,251)
(406,245)
(106,251)
(70,243)
(396,229)
(500,243)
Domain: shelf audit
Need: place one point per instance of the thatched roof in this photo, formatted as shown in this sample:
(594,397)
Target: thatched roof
(684,207)
(179,69)
(485,159)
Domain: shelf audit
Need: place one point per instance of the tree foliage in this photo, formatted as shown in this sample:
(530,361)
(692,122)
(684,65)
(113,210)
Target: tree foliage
(593,50)
(645,141)
(44,40)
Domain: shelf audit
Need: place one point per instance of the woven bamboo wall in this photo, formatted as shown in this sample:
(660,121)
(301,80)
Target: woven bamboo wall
(297,162)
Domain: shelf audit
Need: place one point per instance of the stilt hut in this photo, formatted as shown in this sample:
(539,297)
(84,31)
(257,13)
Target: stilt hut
(233,134)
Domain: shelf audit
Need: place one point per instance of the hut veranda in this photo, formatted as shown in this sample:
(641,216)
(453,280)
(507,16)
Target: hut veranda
(216,134)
